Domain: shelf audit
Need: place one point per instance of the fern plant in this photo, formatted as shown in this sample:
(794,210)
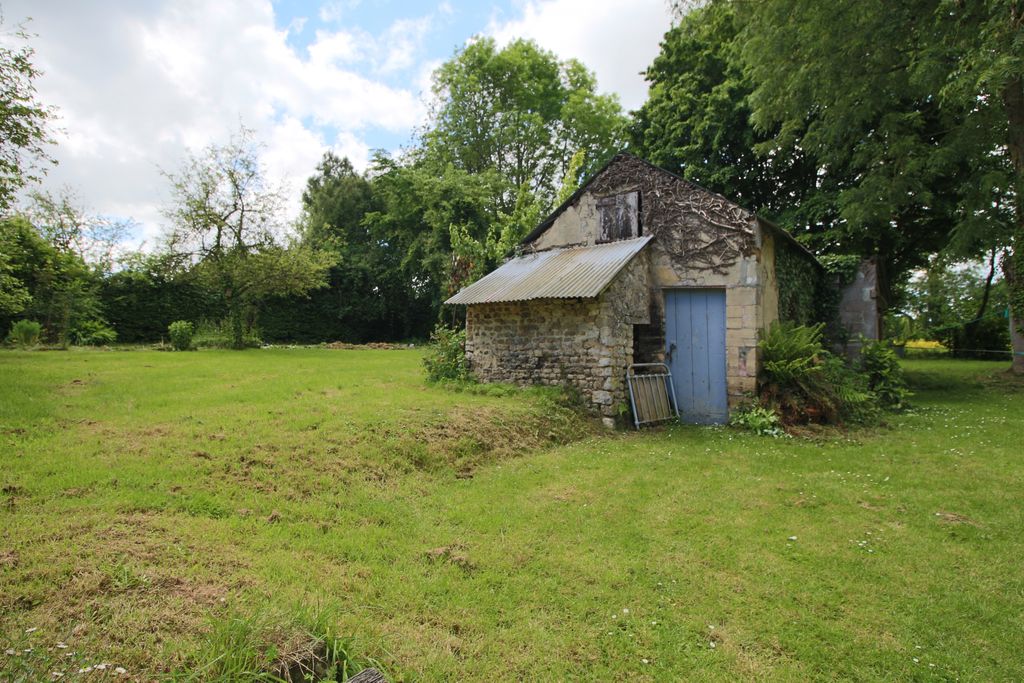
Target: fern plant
(806,383)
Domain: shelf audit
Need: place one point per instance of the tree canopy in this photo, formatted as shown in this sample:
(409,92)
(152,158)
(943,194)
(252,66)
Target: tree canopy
(923,100)
(226,221)
(24,121)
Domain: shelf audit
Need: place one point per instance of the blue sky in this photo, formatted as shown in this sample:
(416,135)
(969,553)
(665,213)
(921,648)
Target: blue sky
(139,85)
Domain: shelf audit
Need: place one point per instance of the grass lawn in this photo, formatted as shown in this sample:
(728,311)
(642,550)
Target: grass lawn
(150,500)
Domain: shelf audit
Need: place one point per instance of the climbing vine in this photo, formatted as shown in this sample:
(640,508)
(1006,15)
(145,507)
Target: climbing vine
(809,294)
(800,283)
(716,232)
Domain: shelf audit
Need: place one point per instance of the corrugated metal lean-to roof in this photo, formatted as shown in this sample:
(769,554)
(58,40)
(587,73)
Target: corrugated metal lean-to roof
(567,273)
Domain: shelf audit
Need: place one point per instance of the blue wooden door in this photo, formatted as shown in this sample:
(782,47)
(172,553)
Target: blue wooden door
(695,349)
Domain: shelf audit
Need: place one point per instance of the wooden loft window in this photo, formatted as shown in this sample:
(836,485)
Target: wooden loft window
(619,217)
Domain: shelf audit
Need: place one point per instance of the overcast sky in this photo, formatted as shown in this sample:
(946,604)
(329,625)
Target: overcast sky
(139,83)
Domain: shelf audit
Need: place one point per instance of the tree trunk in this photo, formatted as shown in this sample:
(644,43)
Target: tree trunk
(1013,100)
(1017,343)
(237,326)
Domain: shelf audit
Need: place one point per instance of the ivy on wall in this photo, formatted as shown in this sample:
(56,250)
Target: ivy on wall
(809,294)
(799,281)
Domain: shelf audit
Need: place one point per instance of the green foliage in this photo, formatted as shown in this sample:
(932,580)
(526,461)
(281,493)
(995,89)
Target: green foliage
(800,282)
(806,383)
(696,122)
(852,401)
(149,292)
(920,104)
(54,286)
(220,334)
(791,352)
(371,292)
(758,419)
(181,333)
(92,333)
(445,359)
(14,296)
(884,374)
(519,111)
(228,220)
(23,119)
(961,305)
(25,333)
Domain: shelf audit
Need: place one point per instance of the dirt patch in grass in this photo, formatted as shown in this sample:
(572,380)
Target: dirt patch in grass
(955,518)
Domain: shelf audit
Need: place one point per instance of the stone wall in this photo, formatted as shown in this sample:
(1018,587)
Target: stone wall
(583,343)
(858,307)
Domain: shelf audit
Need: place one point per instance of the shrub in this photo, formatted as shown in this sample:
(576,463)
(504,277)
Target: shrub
(217,335)
(852,399)
(806,383)
(446,355)
(180,332)
(25,333)
(92,333)
(758,419)
(792,373)
(884,375)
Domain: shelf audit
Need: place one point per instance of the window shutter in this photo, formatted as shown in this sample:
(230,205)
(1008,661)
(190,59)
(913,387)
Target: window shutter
(619,217)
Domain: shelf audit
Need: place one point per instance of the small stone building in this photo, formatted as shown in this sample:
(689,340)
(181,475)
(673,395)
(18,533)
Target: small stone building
(639,265)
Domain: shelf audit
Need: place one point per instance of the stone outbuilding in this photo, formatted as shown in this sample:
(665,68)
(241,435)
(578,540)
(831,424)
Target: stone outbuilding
(639,265)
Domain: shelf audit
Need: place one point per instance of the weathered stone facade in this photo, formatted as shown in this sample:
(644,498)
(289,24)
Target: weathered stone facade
(858,308)
(582,343)
(700,241)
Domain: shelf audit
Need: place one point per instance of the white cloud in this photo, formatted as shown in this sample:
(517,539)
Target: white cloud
(402,42)
(617,41)
(139,84)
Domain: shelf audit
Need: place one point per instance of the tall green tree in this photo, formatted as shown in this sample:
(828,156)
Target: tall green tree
(53,286)
(700,121)
(520,112)
(696,122)
(24,120)
(923,99)
(369,296)
(423,204)
(227,223)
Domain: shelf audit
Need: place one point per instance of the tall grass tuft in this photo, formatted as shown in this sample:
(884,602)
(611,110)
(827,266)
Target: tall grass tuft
(272,645)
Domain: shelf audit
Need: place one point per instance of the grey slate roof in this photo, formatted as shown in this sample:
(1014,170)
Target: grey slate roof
(565,273)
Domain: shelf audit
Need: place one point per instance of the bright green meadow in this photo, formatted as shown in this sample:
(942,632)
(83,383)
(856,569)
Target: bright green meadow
(207,515)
